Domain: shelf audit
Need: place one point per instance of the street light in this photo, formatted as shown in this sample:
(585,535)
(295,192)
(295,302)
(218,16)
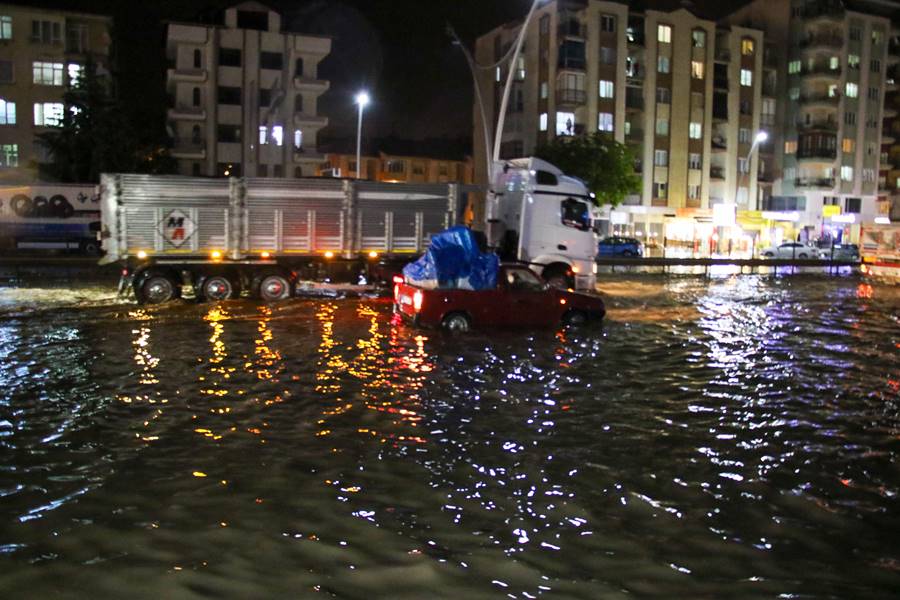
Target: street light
(362,100)
(760,138)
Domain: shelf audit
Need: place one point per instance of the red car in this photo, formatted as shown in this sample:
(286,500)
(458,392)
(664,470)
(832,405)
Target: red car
(520,298)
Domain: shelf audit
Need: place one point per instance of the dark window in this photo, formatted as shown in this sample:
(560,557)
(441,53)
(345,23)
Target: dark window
(195,134)
(571,54)
(229,57)
(229,95)
(546,178)
(575,214)
(262,170)
(298,172)
(298,68)
(277,170)
(198,59)
(270,60)
(195,169)
(6,71)
(265,98)
(228,133)
(252,19)
(298,103)
(196,96)
(853,205)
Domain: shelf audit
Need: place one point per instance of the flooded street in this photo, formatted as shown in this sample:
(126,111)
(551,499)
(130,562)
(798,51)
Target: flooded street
(735,437)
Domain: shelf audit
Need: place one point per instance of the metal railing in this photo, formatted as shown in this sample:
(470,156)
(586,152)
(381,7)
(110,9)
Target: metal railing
(571,97)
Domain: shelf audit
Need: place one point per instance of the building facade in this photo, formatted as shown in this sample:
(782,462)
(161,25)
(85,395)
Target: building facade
(42,53)
(244,96)
(690,96)
(398,169)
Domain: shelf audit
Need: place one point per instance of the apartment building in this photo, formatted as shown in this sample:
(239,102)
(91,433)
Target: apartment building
(244,96)
(685,93)
(395,168)
(42,53)
(889,164)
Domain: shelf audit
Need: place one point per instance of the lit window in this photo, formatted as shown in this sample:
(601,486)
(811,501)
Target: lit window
(542,122)
(694,161)
(74,72)
(697,69)
(790,147)
(698,38)
(664,33)
(47,73)
(834,63)
(847,173)
(263,135)
(605,122)
(7,112)
(298,139)
(852,90)
(278,134)
(9,155)
(794,67)
(747,46)
(661,158)
(662,64)
(794,93)
(847,145)
(545,90)
(693,192)
(743,165)
(608,23)
(48,114)
(853,61)
(744,135)
(565,123)
(606,89)
(746,77)
(5,27)
(662,127)
(832,90)
(877,37)
(695,131)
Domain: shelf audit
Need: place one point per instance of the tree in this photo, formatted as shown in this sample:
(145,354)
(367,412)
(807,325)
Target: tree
(94,136)
(605,165)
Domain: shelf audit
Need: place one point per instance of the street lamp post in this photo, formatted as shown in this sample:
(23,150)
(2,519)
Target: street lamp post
(362,99)
(761,137)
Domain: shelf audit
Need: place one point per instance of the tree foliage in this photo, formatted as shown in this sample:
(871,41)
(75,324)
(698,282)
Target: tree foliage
(96,137)
(606,166)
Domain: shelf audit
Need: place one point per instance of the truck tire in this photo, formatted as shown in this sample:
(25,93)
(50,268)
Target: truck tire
(456,322)
(156,287)
(40,207)
(21,205)
(272,286)
(558,276)
(217,287)
(60,207)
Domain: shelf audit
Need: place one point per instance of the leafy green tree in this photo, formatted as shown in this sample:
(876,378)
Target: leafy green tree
(94,136)
(605,165)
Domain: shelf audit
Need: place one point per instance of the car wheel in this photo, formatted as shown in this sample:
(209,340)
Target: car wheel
(574,318)
(157,289)
(457,322)
(768,254)
(802,255)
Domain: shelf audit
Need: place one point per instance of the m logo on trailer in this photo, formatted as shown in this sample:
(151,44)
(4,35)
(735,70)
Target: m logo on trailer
(177,228)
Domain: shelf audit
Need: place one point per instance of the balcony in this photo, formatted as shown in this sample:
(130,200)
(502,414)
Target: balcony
(569,63)
(572,29)
(189,75)
(723,55)
(308,84)
(822,42)
(821,72)
(891,85)
(634,102)
(813,15)
(187,113)
(719,144)
(816,155)
(889,112)
(887,138)
(189,149)
(720,115)
(307,120)
(571,98)
(635,135)
(812,183)
(720,83)
(823,100)
(818,125)
(717,174)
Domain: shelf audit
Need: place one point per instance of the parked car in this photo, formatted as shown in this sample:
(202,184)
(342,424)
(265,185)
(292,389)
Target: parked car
(790,250)
(521,298)
(620,246)
(840,252)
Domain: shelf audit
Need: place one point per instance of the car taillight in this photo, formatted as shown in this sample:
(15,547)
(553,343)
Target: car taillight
(417,300)
(397,293)
(398,278)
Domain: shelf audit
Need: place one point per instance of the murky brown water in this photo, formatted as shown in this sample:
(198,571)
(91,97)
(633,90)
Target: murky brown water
(729,438)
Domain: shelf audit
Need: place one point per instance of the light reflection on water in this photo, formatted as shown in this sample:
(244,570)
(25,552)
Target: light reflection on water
(730,437)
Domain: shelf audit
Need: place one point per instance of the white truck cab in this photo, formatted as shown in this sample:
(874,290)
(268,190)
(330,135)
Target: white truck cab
(540,216)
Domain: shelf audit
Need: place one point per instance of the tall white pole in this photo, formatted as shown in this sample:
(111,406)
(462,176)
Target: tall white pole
(359,142)
(498,136)
(486,131)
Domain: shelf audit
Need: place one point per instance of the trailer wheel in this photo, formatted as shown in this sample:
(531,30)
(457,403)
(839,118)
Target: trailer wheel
(456,322)
(156,287)
(217,288)
(21,205)
(272,286)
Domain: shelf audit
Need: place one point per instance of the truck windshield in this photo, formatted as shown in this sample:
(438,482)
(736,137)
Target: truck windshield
(575,214)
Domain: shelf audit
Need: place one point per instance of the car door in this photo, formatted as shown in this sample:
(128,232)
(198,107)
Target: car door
(529,302)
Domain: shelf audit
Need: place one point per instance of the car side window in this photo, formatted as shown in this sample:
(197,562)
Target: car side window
(523,280)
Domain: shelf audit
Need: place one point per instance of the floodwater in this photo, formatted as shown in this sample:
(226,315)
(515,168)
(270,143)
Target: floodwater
(734,437)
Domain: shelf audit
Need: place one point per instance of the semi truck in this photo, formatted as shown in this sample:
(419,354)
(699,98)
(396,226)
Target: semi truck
(222,238)
(879,248)
(50,217)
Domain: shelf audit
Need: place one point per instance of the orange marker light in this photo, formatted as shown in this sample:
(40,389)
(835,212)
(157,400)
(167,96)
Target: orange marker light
(215,255)
(574,269)
(373,254)
(329,254)
(142,255)
(562,300)
(265,255)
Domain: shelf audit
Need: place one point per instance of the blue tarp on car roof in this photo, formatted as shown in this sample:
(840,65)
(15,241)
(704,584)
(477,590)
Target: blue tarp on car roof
(453,260)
